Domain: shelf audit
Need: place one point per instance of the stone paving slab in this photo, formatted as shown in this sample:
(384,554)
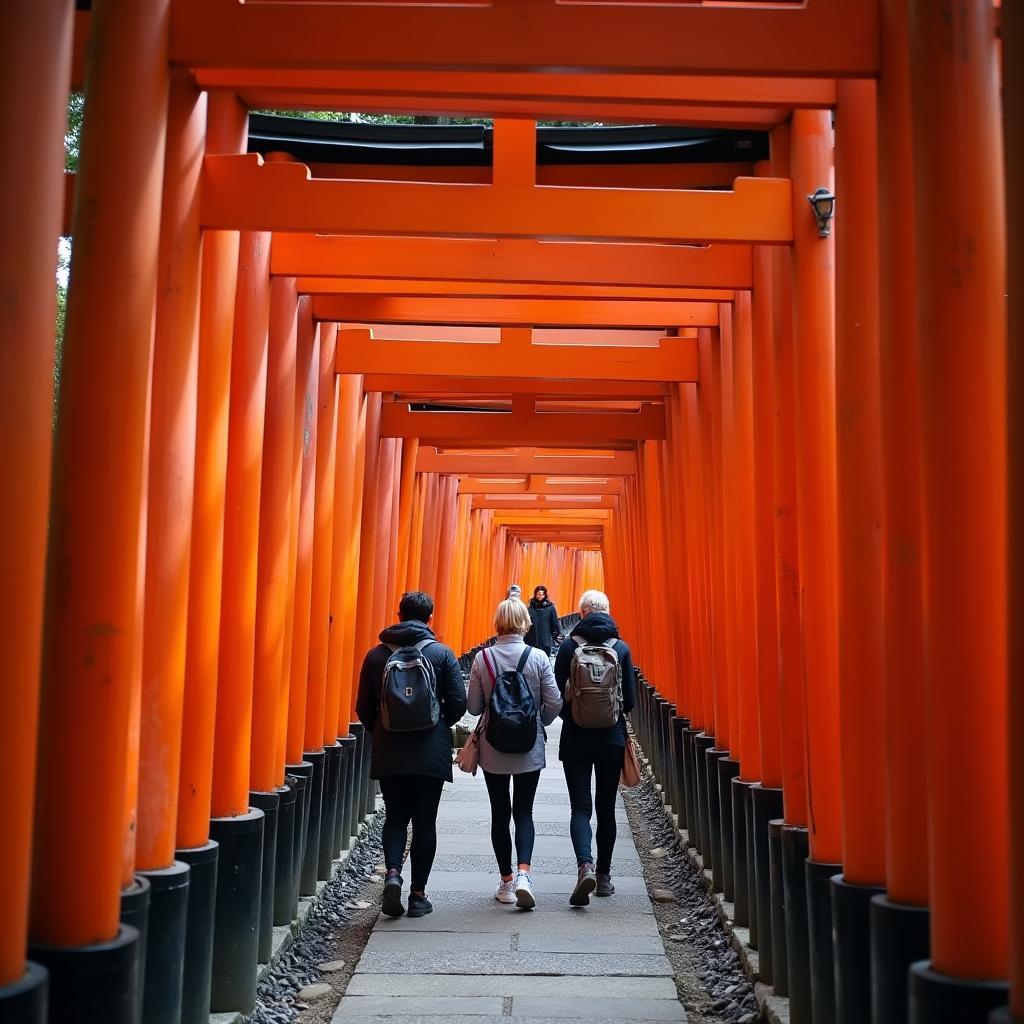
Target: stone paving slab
(510,986)
(523,1007)
(548,899)
(411,1006)
(495,942)
(432,960)
(470,1019)
(550,916)
(591,1008)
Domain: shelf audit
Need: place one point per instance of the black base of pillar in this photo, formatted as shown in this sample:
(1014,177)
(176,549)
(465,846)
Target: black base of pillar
(899,938)
(702,743)
(819,918)
(712,757)
(369,785)
(939,999)
(96,984)
(135,913)
(300,778)
(752,909)
(340,840)
(352,779)
(268,803)
(202,902)
(766,806)
(236,925)
(25,1001)
(165,944)
(851,932)
(343,827)
(794,895)
(284,862)
(742,869)
(690,792)
(679,726)
(778,955)
(728,769)
(1003,1016)
(332,779)
(311,850)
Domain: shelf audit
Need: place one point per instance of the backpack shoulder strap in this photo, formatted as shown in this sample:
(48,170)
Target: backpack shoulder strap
(423,644)
(523,660)
(611,642)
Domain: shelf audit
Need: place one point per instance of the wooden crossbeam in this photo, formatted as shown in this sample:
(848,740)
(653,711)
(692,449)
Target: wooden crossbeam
(242,192)
(820,38)
(606,264)
(540,502)
(524,425)
(515,357)
(412,386)
(527,312)
(527,461)
(438,288)
(539,485)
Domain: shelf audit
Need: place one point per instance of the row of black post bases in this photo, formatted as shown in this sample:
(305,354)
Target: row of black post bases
(202,928)
(841,953)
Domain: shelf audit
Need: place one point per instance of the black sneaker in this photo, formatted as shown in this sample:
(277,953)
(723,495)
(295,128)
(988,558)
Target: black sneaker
(419,905)
(604,885)
(391,901)
(585,885)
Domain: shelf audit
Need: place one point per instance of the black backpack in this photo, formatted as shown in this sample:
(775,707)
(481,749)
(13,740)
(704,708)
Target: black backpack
(408,697)
(512,710)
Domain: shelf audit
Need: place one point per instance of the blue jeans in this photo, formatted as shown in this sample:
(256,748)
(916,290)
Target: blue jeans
(606,765)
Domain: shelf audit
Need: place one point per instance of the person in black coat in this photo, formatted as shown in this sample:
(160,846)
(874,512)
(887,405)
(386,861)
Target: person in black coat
(412,767)
(593,752)
(543,632)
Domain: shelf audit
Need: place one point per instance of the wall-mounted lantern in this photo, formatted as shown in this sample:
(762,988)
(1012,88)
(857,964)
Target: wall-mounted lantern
(823,203)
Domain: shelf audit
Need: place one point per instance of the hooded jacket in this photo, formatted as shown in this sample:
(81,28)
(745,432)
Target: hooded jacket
(411,753)
(595,628)
(543,624)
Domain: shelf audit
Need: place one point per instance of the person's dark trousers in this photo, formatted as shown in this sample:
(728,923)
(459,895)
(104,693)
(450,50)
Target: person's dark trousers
(606,766)
(518,808)
(411,798)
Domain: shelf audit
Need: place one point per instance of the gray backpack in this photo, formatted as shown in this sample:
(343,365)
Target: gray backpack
(408,698)
(595,685)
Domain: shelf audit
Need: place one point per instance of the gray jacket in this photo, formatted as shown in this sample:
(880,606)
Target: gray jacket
(505,655)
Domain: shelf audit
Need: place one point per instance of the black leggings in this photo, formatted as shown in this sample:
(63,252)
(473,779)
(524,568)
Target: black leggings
(519,808)
(411,798)
(606,765)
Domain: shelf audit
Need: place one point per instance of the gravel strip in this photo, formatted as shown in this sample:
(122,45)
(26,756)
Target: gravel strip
(330,943)
(709,979)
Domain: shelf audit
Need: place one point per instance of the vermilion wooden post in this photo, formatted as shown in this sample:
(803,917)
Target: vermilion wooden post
(961,277)
(274,531)
(91,620)
(382,614)
(35,65)
(410,452)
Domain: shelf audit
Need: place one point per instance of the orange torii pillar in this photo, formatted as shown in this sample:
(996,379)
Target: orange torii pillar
(171,478)
(35,63)
(236,826)
(304,753)
(813,262)
(899,920)
(92,594)
(348,486)
(961,277)
(859,490)
(266,778)
(1013,128)
(227,123)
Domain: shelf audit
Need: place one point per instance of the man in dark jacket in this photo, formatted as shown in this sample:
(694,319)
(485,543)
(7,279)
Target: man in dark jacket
(598,752)
(412,766)
(543,621)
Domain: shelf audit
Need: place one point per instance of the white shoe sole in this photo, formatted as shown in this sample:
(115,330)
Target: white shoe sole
(525,899)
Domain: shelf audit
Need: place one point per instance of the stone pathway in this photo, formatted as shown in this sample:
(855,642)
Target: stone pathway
(494,964)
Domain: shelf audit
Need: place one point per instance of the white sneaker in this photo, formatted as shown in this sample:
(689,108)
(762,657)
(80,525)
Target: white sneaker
(524,892)
(506,891)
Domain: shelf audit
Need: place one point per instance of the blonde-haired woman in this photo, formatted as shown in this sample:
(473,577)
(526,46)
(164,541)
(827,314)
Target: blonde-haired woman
(497,665)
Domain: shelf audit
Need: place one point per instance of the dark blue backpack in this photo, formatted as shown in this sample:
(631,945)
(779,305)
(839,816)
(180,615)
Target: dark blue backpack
(512,711)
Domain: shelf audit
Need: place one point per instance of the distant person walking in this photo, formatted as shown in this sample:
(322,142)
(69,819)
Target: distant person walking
(594,672)
(516,685)
(515,591)
(410,694)
(544,632)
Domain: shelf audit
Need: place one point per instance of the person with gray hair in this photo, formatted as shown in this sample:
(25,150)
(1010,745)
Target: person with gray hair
(593,740)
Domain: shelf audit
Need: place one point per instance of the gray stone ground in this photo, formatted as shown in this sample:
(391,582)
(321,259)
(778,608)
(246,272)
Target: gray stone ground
(476,959)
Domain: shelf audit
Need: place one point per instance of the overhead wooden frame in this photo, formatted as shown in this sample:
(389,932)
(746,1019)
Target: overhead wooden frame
(241,192)
(594,264)
(542,502)
(526,461)
(524,425)
(414,385)
(821,38)
(538,484)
